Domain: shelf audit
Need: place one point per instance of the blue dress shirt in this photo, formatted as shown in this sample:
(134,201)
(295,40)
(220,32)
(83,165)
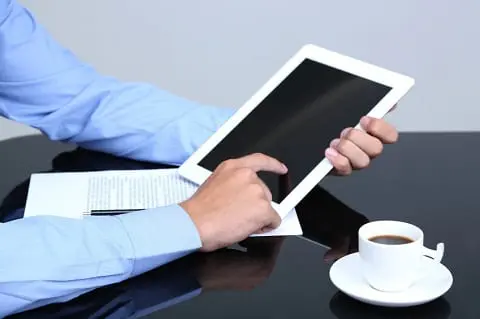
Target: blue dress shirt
(50,259)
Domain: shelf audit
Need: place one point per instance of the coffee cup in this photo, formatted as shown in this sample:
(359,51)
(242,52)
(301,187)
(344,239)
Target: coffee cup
(392,253)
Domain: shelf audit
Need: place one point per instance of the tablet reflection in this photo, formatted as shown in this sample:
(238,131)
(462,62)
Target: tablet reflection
(326,220)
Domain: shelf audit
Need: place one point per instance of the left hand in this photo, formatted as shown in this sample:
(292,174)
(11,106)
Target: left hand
(354,149)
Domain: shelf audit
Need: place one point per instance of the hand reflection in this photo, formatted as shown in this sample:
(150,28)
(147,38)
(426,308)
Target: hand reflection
(231,269)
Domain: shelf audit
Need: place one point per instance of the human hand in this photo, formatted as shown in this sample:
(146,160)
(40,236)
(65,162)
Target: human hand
(238,270)
(234,202)
(354,149)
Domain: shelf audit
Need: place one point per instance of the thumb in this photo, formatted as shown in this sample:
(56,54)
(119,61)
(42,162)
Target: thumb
(274,223)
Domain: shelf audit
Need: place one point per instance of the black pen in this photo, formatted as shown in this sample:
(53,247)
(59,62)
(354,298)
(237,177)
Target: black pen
(110,212)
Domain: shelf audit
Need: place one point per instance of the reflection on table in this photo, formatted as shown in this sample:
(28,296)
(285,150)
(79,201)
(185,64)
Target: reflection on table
(325,220)
(343,307)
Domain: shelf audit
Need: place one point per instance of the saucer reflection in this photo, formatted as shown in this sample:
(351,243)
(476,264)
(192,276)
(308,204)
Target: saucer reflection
(344,307)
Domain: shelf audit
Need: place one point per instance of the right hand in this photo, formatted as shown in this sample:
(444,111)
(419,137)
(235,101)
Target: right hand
(238,270)
(234,203)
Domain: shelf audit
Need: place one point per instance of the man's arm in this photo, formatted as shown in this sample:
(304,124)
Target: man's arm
(45,86)
(51,259)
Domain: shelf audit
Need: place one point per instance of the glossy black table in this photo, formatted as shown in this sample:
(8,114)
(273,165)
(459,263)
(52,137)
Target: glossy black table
(429,179)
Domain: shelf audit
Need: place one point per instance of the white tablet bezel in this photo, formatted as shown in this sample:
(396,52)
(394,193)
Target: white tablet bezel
(399,83)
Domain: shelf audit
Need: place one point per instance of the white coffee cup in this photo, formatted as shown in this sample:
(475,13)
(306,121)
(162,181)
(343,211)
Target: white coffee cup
(394,267)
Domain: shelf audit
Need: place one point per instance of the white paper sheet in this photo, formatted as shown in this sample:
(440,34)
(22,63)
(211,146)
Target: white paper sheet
(72,194)
(139,190)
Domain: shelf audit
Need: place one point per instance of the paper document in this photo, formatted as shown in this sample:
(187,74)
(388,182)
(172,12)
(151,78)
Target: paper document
(153,189)
(72,194)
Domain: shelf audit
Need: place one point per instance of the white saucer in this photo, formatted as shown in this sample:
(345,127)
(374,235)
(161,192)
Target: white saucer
(346,275)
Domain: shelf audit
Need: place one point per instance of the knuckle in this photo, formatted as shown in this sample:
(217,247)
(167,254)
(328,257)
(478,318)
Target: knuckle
(375,148)
(264,206)
(269,195)
(238,175)
(345,132)
(375,126)
(343,163)
(256,190)
(353,134)
(245,174)
(364,163)
(249,174)
(273,219)
(276,219)
(257,155)
(227,164)
(343,146)
(394,137)
(378,149)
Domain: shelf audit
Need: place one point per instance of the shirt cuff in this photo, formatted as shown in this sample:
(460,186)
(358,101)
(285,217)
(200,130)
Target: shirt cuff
(159,236)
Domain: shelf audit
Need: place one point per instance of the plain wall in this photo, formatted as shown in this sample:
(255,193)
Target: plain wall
(220,52)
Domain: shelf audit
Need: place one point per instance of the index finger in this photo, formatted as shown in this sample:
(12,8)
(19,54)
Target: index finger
(261,162)
(380,129)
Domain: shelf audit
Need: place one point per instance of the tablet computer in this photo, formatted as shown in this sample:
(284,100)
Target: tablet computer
(295,115)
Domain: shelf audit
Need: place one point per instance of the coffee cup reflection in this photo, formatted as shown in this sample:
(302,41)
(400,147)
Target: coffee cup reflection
(232,269)
(343,307)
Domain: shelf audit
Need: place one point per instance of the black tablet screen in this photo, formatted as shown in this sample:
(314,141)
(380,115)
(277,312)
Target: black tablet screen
(297,121)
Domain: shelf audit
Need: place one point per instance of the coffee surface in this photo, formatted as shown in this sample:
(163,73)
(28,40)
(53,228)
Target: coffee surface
(391,240)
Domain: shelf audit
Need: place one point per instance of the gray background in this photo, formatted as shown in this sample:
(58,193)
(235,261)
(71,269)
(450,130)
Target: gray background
(219,52)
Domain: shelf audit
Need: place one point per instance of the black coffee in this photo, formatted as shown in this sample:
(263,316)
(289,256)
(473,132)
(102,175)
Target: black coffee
(390,240)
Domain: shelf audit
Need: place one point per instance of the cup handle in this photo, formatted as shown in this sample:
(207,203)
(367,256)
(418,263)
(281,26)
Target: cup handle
(436,255)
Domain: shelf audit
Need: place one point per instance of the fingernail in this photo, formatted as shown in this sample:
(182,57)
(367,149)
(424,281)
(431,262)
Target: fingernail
(285,167)
(365,121)
(330,152)
(345,132)
(335,142)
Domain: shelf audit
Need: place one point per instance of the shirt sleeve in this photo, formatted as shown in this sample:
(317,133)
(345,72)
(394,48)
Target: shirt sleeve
(51,259)
(45,86)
